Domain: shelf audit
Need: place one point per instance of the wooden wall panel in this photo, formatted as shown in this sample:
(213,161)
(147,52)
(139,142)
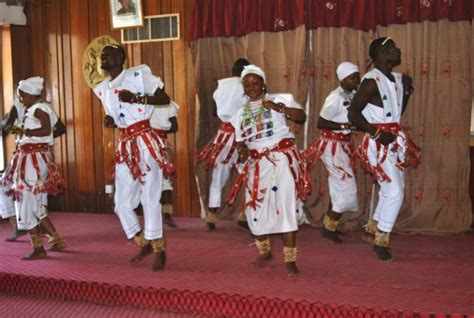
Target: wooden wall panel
(60,35)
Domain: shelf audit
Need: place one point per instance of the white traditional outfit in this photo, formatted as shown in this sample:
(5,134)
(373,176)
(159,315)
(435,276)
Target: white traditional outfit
(32,173)
(274,175)
(335,148)
(140,156)
(387,163)
(220,154)
(7,206)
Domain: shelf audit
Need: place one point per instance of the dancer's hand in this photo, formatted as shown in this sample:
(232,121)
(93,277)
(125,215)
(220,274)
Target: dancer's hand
(127,96)
(109,121)
(407,82)
(243,155)
(17,130)
(268,104)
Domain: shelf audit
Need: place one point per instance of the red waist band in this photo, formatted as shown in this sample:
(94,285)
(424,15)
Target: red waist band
(33,147)
(135,129)
(328,134)
(227,127)
(394,128)
(282,145)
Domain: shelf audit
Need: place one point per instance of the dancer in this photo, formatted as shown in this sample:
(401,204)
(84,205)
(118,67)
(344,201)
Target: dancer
(32,173)
(7,205)
(273,173)
(220,154)
(335,147)
(164,122)
(12,120)
(128,96)
(385,150)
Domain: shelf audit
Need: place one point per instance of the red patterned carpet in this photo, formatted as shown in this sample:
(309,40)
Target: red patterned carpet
(209,273)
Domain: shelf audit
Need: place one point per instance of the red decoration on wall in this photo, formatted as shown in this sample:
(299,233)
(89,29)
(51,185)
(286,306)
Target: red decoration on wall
(418,194)
(447,195)
(447,131)
(421,133)
(447,68)
(425,69)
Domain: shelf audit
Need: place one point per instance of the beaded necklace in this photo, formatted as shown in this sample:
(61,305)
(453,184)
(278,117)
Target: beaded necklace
(254,113)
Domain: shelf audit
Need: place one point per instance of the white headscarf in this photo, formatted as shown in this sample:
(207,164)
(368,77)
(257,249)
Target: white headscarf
(252,69)
(32,85)
(345,69)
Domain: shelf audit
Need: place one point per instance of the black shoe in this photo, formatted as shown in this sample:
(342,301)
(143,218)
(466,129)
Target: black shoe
(211,226)
(330,235)
(243,226)
(16,235)
(383,253)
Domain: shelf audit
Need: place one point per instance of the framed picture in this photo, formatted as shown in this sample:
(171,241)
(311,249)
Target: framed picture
(126,13)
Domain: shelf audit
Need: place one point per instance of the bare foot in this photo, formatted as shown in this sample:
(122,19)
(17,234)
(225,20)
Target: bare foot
(262,260)
(292,269)
(160,261)
(144,251)
(37,253)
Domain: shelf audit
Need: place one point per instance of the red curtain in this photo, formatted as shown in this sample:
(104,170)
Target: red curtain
(223,18)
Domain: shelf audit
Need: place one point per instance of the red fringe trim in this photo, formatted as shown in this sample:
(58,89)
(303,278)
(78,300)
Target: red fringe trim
(52,185)
(412,153)
(208,155)
(155,145)
(296,162)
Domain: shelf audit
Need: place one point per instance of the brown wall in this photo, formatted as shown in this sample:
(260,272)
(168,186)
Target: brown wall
(61,31)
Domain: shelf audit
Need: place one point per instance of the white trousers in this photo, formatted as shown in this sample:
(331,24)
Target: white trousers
(220,176)
(341,180)
(129,193)
(391,193)
(30,210)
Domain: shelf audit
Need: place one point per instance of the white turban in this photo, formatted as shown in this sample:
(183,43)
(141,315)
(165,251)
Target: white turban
(252,69)
(32,85)
(345,69)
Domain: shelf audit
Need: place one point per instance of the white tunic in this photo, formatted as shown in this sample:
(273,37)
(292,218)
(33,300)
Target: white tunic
(391,192)
(132,190)
(229,97)
(137,80)
(276,209)
(341,179)
(31,122)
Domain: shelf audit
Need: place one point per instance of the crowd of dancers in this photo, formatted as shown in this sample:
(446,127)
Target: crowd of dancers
(253,137)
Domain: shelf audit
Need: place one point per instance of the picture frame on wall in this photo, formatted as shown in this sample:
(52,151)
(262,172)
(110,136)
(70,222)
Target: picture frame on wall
(126,13)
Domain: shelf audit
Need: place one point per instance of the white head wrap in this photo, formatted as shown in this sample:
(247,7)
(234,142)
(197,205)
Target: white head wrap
(252,69)
(345,69)
(32,85)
